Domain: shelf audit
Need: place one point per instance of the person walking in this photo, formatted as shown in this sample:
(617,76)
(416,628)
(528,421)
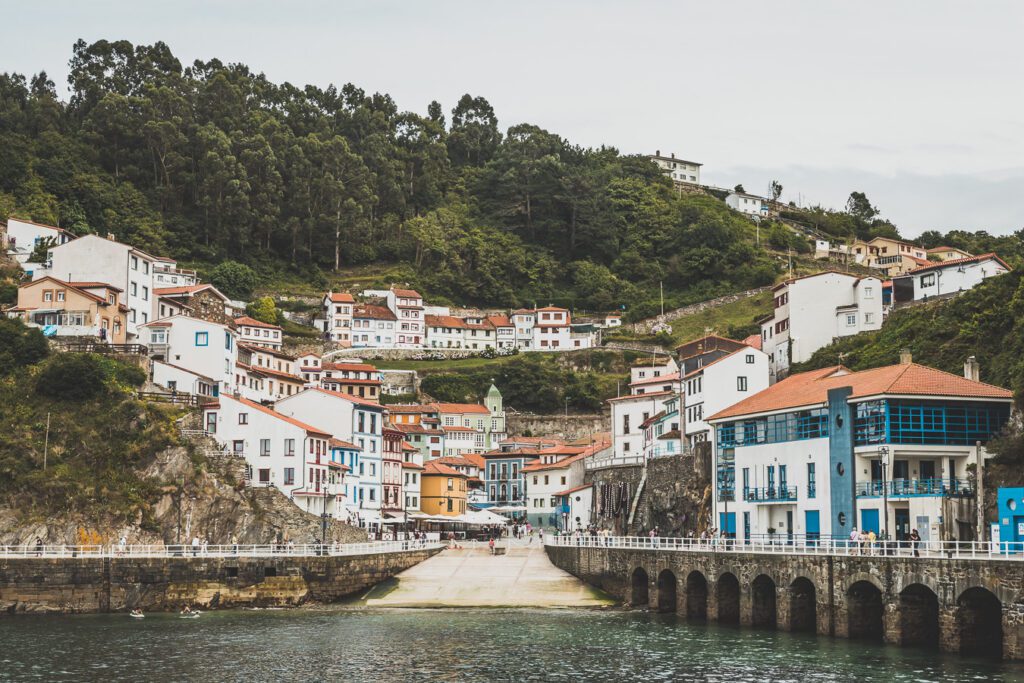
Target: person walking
(915,542)
(872,537)
(490,545)
(195,546)
(854,540)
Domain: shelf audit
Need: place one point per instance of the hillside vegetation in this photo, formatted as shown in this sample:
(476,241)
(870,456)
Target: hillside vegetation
(211,161)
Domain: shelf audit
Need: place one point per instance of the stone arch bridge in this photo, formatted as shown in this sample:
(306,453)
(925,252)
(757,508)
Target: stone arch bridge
(971,606)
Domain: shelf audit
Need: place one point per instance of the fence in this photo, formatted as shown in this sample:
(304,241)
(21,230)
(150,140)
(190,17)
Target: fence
(80,346)
(178,399)
(783,544)
(622,460)
(233,550)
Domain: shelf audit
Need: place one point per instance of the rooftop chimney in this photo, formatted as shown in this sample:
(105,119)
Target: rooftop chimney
(972,369)
(905,357)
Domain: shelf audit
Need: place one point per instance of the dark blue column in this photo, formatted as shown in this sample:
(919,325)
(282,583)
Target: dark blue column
(841,467)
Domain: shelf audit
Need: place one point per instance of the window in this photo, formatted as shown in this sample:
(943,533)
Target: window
(135,262)
(928,280)
(60,295)
(243,418)
(869,318)
(202,338)
(227,340)
(289,446)
(750,359)
(134,289)
(625,424)
(741,384)
(264,447)
(851,320)
(812,484)
(145,293)
(48,295)
(869,292)
(289,476)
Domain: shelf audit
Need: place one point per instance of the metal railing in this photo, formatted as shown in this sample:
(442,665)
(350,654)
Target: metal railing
(896,488)
(80,346)
(231,550)
(784,544)
(592,464)
(178,399)
(770,494)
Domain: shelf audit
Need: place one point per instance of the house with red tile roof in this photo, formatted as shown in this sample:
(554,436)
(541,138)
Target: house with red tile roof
(259,333)
(338,311)
(407,305)
(825,452)
(280,451)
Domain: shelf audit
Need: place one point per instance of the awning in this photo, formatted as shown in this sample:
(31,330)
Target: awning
(508,508)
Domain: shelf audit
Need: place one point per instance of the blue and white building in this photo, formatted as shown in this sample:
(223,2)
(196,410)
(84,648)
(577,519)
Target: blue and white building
(821,453)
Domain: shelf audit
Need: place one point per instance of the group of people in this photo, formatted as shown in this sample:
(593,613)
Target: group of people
(867,543)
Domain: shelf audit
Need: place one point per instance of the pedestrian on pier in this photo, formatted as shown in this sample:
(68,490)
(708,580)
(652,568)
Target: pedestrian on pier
(490,545)
(39,546)
(915,542)
(854,540)
(195,546)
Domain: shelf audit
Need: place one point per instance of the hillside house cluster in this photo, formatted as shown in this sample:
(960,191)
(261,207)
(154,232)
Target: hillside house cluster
(399,319)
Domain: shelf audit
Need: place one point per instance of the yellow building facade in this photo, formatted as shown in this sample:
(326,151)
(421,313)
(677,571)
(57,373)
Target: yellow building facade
(442,490)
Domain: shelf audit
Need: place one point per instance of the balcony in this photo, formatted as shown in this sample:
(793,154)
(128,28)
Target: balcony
(770,494)
(906,488)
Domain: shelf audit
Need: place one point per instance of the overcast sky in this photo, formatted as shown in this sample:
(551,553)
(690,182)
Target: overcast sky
(919,104)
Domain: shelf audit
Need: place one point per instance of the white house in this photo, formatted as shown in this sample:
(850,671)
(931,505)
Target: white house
(809,312)
(552,331)
(177,378)
(557,469)
(205,348)
(99,259)
(338,314)
(407,305)
(679,170)
(748,204)
(23,237)
(374,327)
(347,454)
(523,321)
(279,451)
(253,331)
(450,332)
(819,453)
(355,420)
(718,384)
(947,277)
(652,368)
(628,413)
(166,273)
(504,331)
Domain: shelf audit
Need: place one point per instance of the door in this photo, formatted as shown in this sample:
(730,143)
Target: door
(771,482)
(238,446)
(789,526)
(728,523)
(902,523)
(876,478)
(782,481)
(746,527)
(869,521)
(927,469)
(812,524)
(923,526)
(900,476)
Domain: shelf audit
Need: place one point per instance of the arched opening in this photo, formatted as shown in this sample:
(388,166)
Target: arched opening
(666,591)
(919,616)
(803,605)
(696,597)
(864,611)
(763,611)
(638,596)
(979,621)
(727,594)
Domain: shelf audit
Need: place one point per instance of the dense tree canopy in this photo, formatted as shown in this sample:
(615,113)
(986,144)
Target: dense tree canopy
(211,162)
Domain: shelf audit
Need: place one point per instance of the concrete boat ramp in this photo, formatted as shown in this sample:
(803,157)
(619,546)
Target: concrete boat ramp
(473,577)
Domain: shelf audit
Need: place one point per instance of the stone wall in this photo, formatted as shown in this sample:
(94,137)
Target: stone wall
(561,426)
(675,496)
(644,326)
(968,606)
(76,585)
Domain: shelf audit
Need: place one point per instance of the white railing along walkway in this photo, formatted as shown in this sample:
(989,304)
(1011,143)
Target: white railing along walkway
(232,550)
(956,550)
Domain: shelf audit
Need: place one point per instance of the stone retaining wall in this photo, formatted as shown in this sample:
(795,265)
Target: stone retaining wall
(560,426)
(74,585)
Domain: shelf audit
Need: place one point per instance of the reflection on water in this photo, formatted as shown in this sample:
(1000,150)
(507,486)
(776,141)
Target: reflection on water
(449,645)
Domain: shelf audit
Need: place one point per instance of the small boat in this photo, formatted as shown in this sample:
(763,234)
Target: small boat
(137,615)
(192,615)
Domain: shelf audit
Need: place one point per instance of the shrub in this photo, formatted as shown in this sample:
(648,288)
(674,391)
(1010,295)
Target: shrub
(73,377)
(20,345)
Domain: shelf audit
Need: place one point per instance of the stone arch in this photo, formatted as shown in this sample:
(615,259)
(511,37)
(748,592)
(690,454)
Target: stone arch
(666,591)
(979,623)
(919,616)
(864,611)
(727,594)
(696,596)
(764,611)
(639,588)
(803,605)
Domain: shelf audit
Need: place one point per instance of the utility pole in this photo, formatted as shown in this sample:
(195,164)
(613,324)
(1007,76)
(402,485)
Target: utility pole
(46,440)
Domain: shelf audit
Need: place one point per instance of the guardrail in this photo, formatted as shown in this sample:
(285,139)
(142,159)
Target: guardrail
(770,494)
(79,346)
(231,550)
(178,399)
(784,545)
(897,488)
(591,464)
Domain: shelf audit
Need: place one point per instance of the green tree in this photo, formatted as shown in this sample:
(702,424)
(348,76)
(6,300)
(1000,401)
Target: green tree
(263,309)
(20,345)
(858,206)
(234,279)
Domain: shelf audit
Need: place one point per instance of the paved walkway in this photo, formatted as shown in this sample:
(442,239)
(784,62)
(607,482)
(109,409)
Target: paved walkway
(472,577)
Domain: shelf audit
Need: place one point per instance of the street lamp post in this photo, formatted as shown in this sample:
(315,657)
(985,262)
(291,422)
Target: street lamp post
(883,454)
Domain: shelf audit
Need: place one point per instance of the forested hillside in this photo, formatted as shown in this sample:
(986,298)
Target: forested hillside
(211,161)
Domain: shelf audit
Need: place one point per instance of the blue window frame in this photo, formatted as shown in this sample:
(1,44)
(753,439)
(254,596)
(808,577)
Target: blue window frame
(812,481)
(945,423)
(227,340)
(202,338)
